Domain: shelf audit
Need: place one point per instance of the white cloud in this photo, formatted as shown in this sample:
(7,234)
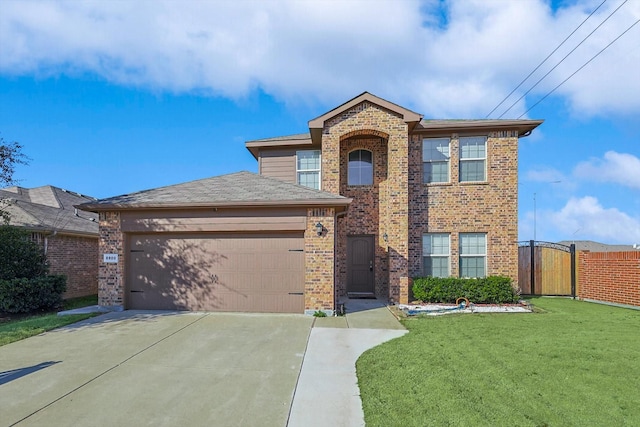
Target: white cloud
(586,219)
(310,52)
(619,168)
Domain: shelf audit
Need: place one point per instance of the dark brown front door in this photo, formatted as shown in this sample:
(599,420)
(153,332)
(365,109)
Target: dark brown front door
(360,268)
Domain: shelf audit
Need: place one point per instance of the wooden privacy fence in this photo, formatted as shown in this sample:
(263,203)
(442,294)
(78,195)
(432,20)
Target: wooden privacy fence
(546,268)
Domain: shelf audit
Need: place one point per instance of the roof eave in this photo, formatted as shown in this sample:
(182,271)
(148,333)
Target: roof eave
(338,203)
(49,231)
(255,146)
(524,127)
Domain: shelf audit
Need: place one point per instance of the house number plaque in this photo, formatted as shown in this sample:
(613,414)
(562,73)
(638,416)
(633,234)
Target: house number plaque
(110,258)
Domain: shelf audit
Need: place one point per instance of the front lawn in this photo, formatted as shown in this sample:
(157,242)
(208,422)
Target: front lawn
(16,330)
(574,364)
(17,327)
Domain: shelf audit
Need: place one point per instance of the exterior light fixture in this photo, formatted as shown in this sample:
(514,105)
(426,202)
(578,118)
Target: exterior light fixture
(319,228)
(385,237)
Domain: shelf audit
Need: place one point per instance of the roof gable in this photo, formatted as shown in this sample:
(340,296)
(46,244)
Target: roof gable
(235,189)
(316,125)
(407,115)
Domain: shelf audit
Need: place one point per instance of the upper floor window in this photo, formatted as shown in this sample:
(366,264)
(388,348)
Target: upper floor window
(308,168)
(435,255)
(473,158)
(473,254)
(360,171)
(435,160)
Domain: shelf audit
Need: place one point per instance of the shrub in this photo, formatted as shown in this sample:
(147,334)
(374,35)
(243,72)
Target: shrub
(487,290)
(19,256)
(24,295)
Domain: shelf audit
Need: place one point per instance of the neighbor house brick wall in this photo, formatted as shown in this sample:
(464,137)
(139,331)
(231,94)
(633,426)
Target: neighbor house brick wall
(385,133)
(319,261)
(610,276)
(489,207)
(111,275)
(77,258)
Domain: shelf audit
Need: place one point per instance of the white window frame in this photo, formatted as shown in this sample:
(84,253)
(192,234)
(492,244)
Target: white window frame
(318,171)
(473,159)
(463,255)
(348,168)
(431,161)
(433,255)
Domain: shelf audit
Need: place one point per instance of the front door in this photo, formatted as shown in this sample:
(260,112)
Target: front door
(360,267)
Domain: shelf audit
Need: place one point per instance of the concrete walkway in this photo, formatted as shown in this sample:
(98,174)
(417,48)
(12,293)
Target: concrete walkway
(327,392)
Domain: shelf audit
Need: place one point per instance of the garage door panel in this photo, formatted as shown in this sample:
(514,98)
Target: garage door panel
(205,272)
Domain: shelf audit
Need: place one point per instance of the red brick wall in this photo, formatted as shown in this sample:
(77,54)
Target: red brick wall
(319,261)
(610,276)
(111,276)
(489,207)
(364,212)
(378,209)
(77,258)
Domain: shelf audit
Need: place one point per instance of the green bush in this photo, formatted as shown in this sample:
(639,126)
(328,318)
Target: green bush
(26,295)
(487,290)
(19,256)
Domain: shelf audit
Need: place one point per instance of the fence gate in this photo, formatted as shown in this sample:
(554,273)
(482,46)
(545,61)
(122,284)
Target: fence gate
(546,268)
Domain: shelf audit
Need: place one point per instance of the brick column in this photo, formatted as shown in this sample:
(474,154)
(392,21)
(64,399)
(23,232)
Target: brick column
(111,275)
(319,261)
(398,214)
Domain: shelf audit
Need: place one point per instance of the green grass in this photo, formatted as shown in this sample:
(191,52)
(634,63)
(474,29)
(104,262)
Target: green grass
(16,330)
(19,327)
(71,303)
(573,364)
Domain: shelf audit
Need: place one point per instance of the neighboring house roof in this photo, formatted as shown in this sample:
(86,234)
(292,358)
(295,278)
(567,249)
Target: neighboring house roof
(588,245)
(235,189)
(49,209)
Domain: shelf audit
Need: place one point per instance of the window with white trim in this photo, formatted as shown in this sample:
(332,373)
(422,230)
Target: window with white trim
(473,158)
(360,170)
(308,168)
(435,160)
(473,254)
(435,254)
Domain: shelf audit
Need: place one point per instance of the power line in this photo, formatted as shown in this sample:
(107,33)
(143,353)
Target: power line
(562,60)
(545,59)
(575,72)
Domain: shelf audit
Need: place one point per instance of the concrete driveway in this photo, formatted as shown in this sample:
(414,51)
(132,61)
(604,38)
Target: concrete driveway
(193,369)
(160,369)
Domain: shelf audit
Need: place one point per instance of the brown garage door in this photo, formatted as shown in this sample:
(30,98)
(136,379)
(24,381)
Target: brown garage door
(216,272)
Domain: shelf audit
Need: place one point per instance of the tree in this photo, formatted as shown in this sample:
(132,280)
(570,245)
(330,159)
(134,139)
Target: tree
(10,156)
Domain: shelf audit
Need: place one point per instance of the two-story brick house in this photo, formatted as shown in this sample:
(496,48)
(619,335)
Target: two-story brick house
(370,197)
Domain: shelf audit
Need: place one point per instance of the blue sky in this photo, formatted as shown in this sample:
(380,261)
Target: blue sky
(114,97)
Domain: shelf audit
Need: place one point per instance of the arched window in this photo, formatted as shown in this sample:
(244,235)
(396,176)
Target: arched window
(360,170)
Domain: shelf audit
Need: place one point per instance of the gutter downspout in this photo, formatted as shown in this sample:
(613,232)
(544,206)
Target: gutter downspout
(46,241)
(337,310)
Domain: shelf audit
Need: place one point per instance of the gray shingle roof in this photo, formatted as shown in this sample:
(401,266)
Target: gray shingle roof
(48,208)
(589,245)
(296,137)
(239,189)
